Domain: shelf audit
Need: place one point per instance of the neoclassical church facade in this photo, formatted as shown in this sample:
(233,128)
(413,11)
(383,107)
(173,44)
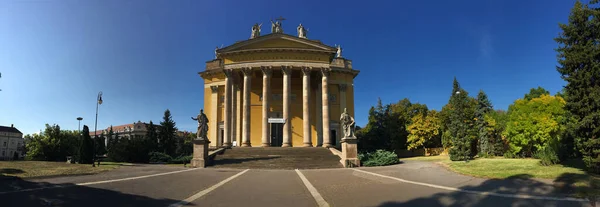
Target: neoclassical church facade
(277,90)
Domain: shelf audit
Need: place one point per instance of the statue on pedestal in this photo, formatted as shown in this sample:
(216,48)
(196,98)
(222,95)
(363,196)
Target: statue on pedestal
(348,124)
(339,51)
(202,126)
(255,31)
(301,31)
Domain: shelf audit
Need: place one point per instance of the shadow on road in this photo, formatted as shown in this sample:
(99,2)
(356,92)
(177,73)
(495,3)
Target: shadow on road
(519,184)
(68,195)
(11,171)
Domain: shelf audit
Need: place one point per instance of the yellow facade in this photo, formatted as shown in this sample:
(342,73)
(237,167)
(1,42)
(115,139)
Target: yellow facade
(272,52)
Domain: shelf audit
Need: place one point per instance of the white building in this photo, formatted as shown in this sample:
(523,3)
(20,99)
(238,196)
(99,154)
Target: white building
(11,142)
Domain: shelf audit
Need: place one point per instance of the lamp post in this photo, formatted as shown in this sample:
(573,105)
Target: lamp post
(98,102)
(79,127)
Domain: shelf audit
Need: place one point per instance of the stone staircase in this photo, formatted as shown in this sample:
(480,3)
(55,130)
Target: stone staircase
(277,158)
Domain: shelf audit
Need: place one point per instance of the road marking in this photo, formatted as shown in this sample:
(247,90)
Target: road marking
(97,182)
(206,191)
(485,193)
(313,191)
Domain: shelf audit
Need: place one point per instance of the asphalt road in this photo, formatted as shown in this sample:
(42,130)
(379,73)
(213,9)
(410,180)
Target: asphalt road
(407,184)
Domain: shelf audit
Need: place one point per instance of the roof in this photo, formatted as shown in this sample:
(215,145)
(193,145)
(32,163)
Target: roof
(9,129)
(315,43)
(119,128)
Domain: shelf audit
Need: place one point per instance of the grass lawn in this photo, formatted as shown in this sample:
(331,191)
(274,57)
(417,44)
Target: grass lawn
(570,172)
(29,169)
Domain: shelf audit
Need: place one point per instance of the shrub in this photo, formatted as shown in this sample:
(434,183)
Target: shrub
(547,156)
(181,159)
(159,157)
(378,158)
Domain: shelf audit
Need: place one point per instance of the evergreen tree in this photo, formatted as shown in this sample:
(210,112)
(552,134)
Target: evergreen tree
(100,145)
(111,138)
(484,106)
(459,124)
(578,54)
(152,137)
(536,93)
(166,134)
(85,147)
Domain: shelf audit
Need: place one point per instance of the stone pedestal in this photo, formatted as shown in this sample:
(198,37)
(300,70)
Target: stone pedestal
(350,152)
(200,156)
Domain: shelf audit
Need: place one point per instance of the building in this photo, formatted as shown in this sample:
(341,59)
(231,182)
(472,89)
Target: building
(135,130)
(277,90)
(12,142)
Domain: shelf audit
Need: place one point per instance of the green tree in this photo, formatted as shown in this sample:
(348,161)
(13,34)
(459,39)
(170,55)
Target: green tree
(461,123)
(152,137)
(496,124)
(100,146)
(53,144)
(532,123)
(578,64)
(166,134)
(424,129)
(536,93)
(85,147)
(110,137)
(484,106)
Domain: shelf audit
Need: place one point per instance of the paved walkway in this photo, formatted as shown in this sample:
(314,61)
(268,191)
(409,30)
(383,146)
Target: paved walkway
(407,184)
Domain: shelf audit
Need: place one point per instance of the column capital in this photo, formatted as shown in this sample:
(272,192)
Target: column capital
(325,72)
(343,87)
(286,70)
(227,72)
(247,71)
(306,70)
(267,70)
(214,89)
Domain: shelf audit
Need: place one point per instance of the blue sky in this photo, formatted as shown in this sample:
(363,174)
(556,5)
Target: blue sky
(144,55)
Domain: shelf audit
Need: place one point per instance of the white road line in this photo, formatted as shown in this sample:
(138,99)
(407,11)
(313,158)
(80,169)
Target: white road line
(97,182)
(485,193)
(313,191)
(206,191)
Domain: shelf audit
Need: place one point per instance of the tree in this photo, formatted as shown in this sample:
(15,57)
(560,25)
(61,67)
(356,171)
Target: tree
(484,106)
(532,123)
(536,93)
(578,64)
(461,123)
(111,139)
(85,147)
(100,147)
(424,129)
(496,124)
(152,137)
(53,144)
(166,134)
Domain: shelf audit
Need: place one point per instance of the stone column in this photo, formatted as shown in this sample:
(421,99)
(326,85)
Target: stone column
(287,126)
(246,110)
(227,111)
(325,100)
(306,107)
(266,95)
(238,112)
(214,114)
(233,132)
(319,114)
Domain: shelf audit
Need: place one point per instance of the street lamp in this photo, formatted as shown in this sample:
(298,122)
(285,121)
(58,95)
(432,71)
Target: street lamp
(98,102)
(79,127)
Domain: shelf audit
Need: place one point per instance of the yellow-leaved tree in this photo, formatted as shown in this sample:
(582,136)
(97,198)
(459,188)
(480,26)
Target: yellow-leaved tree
(423,129)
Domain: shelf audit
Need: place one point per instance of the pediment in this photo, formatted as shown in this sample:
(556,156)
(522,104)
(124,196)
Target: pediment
(277,41)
